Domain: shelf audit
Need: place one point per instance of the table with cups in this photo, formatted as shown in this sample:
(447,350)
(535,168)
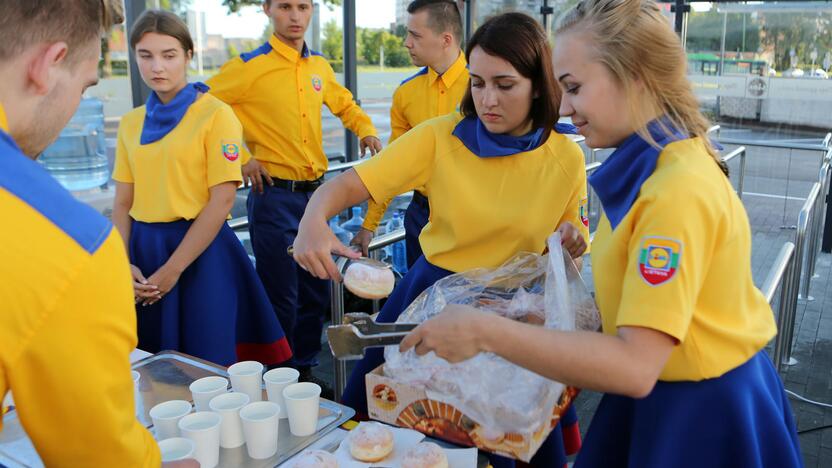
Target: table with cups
(242,416)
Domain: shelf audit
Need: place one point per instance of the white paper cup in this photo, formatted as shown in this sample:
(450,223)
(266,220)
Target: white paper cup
(302,401)
(247,377)
(276,380)
(176,448)
(166,417)
(260,423)
(206,388)
(203,428)
(228,406)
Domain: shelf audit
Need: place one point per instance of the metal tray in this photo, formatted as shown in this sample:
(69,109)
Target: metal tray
(167,375)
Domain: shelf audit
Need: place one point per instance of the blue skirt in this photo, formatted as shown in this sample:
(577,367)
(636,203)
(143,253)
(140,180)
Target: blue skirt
(552,454)
(217,311)
(741,419)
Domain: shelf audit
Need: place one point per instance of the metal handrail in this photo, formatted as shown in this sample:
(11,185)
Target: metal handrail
(775,275)
(803,219)
(771,144)
(827,140)
(781,274)
(713,129)
(591,167)
(816,229)
(741,152)
(340,167)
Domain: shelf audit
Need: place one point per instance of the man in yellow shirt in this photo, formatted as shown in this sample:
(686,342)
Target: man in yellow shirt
(68,323)
(277,92)
(434,32)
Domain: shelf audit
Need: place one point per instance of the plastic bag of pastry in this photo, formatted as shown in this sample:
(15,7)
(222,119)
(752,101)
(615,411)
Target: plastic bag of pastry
(540,289)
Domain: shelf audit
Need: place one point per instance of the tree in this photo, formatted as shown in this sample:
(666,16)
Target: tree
(803,32)
(333,45)
(235,5)
(705,32)
(395,54)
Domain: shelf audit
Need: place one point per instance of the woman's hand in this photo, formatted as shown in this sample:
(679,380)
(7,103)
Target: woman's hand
(165,279)
(314,246)
(458,333)
(572,240)
(142,289)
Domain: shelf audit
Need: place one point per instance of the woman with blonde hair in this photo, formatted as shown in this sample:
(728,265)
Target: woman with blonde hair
(681,359)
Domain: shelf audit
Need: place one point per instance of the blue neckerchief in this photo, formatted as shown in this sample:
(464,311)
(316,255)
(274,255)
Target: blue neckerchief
(473,134)
(618,181)
(160,119)
(566,129)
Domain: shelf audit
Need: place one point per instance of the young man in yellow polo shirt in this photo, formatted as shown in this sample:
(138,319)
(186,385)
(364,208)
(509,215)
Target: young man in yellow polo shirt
(434,32)
(277,92)
(68,323)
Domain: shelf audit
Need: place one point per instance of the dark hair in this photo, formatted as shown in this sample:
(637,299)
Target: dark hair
(520,40)
(161,22)
(76,22)
(443,16)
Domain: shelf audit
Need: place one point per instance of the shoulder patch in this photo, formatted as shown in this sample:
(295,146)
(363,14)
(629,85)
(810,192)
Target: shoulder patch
(659,259)
(423,71)
(262,50)
(31,183)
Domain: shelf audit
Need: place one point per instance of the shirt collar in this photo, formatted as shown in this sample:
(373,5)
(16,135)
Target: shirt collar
(451,74)
(4,123)
(288,52)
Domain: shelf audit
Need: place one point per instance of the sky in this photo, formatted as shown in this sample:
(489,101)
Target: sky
(251,21)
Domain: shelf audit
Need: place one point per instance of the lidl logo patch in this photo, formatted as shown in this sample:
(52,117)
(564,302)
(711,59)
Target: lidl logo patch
(231,151)
(659,259)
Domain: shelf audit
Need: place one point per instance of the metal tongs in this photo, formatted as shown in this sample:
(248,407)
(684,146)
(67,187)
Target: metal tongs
(358,332)
(365,260)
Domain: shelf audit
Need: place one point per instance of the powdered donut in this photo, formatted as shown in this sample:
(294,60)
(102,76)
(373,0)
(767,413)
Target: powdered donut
(371,442)
(369,282)
(425,455)
(315,459)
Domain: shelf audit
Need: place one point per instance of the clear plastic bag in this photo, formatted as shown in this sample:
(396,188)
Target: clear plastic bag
(538,289)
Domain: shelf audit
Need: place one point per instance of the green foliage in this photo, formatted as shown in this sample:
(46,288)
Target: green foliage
(333,43)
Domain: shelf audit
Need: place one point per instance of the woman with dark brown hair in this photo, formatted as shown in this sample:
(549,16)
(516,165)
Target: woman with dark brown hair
(499,175)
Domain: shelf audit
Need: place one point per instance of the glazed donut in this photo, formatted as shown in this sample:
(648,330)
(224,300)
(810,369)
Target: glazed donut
(371,442)
(315,459)
(369,282)
(425,455)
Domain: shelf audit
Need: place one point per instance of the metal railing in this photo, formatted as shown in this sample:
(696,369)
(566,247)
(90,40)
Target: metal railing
(780,275)
(741,152)
(804,219)
(819,221)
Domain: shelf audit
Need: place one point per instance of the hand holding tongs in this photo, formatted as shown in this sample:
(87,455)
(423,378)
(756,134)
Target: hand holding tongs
(358,332)
(365,260)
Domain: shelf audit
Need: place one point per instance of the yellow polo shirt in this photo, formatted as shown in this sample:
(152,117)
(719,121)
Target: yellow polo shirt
(482,210)
(680,263)
(277,93)
(171,177)
(68,323)
(423,96)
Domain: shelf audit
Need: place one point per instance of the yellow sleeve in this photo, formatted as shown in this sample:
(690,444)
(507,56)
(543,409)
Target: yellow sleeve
(121,167)
(576,208)
(668,255)
(340,102)
(402,166)
(231,83)
(375,213)
(71,381)
(224,148)
(398,123)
